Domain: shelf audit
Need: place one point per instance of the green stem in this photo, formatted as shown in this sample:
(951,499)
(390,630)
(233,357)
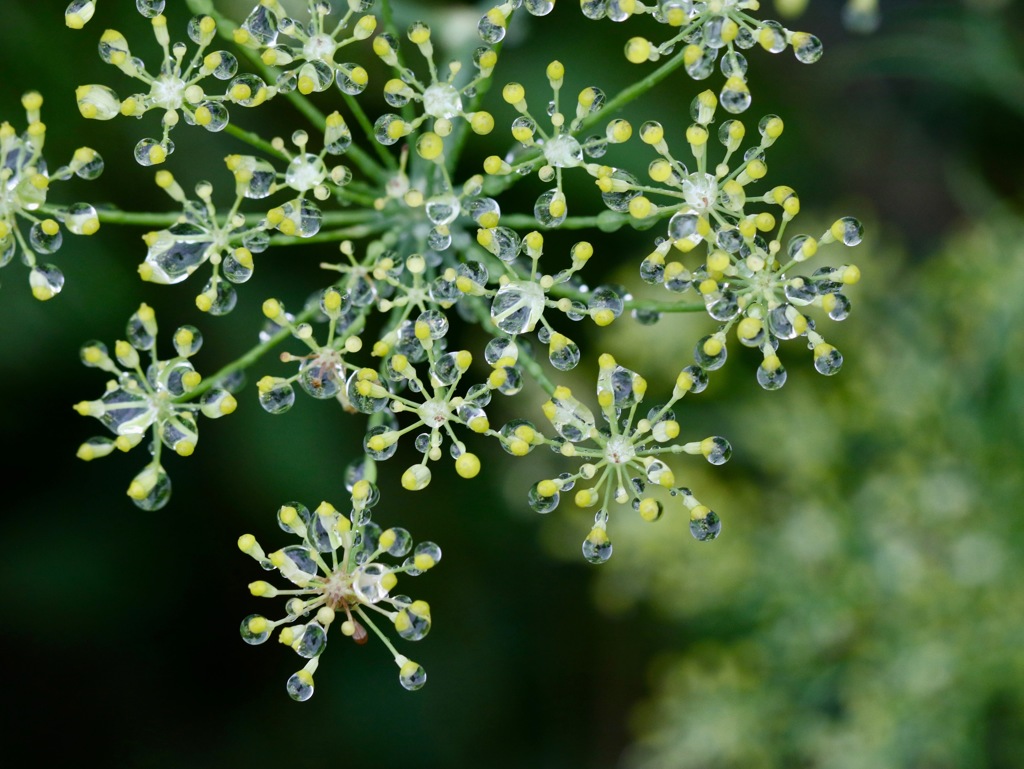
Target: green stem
(248,358)
(255,140)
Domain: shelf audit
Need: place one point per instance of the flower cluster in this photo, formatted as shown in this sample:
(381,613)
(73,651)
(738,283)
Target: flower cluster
(440,100)
(177,90)
(338,573)
(154,400)
(713,32)
(424,251)
(24,186)
(548,152)
(625,455)
(308,60)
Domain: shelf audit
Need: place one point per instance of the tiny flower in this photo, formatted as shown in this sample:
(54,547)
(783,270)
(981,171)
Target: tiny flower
(549,151)
(494,24)
(307,53)
(623,457)
(439,99)
(24,188)
(519,302)
(204,235)
(151,398)
(177,91)
(340,575)
(432,401)
(709,32)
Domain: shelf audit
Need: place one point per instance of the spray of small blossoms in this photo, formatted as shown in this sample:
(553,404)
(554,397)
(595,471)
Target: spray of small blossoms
(414,244)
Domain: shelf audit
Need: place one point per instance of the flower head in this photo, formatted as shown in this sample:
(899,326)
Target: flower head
(306,53)
(440,99)
(713,31)
(563,146)
(24,186)
(176,91)
(339,573)
(624,456)
(153,400)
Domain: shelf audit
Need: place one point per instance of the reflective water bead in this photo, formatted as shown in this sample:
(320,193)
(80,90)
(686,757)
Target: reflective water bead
(321,377)
(412,676)
(698,377)
(372,582)
(380,450)
(848,230)
(838,306)
(710,353)
(550,209)
(150,152)
(563,353)
(799,290)
(771,375)
(150,489)
(705,525)
(91,168)
(81,219)
(499,348)
(45,236)
(827,359)
(435,321)
(735,95)
(806,47)
(607,298)
(237,266)
(772,36)
(443,209)
(375,397)
(305,172)
(540,503)
(177,252)
(733,64)
(396,541)
(489,31)
(46,281)
(723,307)
(504,243)
(597,548)
(312,642)
(781,321)
(717,450)
(275,396)
(300,686)
(424,557)
(518,306)
(219,296)
(254,629)
(438,239)
(623,190)
(227,65)
(564,151)
(413,621)
(701,67)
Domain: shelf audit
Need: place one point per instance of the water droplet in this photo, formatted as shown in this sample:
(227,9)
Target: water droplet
(539,503)
(597,548)
(412,676)
(278,398)
(300,686)
(705,525)
(248,635)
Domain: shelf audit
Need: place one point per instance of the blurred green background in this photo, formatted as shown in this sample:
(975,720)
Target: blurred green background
(863,607)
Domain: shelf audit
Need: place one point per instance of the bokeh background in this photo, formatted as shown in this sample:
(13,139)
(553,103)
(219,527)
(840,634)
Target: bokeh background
(863,607)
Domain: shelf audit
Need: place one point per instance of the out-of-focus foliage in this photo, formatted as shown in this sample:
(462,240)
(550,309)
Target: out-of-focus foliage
(866,608)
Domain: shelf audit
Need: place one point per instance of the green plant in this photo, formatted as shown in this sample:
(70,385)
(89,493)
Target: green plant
(404,206)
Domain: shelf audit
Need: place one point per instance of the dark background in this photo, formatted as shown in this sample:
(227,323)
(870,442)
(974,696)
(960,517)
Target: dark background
(120,627)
